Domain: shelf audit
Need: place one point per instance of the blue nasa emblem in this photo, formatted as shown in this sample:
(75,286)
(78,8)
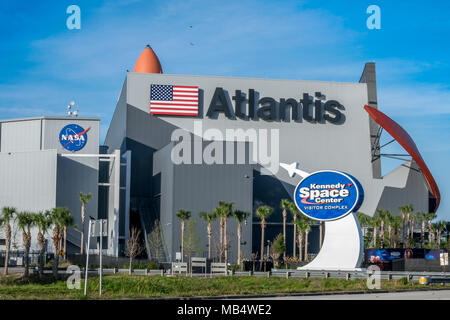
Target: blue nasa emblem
(328,195)
(73,137)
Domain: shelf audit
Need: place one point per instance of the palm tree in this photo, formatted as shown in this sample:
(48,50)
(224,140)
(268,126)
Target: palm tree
(221,212)
(376,222)
(183,215)
(59,217)
(67,221)
(430,216)
(263,213)
(25,220)
(301,225)
(295,213)
(414,218)
(43,221)
(406,211)
(434,228)
(6,219)
(285,203)
(84,198)
(423,219)
(389,220)
(381,215)
(240,216)
(307,230)
(209,218)
(227,212)
(396,225)
(441,226)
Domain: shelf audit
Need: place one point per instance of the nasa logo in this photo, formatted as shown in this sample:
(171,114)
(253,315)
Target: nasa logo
(328,195)
(73,137)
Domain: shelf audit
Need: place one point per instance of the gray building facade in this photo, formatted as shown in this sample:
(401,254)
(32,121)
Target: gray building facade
(230,151)
(307,133)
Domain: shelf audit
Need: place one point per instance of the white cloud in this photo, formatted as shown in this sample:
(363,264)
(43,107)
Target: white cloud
(414,99)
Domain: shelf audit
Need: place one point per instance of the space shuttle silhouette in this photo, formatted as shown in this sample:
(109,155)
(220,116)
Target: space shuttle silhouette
(292,169)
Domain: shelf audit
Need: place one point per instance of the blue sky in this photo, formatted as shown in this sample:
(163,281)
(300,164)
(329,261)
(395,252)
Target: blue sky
(44,65)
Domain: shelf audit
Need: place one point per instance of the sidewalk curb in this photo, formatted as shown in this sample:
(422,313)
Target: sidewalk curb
(294,294)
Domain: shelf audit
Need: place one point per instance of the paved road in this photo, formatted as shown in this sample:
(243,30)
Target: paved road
(423,295)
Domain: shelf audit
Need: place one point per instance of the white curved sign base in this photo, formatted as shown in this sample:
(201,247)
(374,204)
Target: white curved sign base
(342,247)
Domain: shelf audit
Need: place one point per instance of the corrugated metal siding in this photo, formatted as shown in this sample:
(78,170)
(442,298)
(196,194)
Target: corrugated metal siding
(28,180)
(21,136)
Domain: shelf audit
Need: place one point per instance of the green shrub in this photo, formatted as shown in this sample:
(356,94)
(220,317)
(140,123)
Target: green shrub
(234,267)
(152,265)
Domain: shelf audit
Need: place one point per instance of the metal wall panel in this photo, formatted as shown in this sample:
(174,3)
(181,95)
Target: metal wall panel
(199,188)
(21,135)
(28,180)
(28,183)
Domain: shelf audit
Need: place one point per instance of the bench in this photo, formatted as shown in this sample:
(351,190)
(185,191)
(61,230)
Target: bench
(179,267)
(219,268)
(198,262)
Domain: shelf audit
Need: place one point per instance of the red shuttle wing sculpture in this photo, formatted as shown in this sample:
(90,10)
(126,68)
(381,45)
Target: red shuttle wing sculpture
(404,139)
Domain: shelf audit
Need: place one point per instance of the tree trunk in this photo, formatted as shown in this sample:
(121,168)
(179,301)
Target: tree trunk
(390,235)
(422,231)
(239,231)
(408,222)
(284,233)
(7,246)
(182,240)
(209,240)
(429,232)
(83,217)
(26,236)
(221,239)
(306,245)
(41,244)
(295,237)
(403,230)
(374,236)
(65,243)
(300,245)
(225,240)
(439,239)
(262,242)
(131,263)
(382,233)
(395,238)
(56,246)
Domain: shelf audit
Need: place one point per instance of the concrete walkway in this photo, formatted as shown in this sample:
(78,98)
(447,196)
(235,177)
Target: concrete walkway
(410,295)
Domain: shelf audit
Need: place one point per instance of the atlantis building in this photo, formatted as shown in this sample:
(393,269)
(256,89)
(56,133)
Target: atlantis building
(187,142)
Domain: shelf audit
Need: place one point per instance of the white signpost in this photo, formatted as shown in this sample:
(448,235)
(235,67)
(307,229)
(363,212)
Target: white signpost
(97,228)
(444,259)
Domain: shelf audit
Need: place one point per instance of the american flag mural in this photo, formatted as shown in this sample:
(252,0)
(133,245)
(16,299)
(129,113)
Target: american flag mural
(173,100)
